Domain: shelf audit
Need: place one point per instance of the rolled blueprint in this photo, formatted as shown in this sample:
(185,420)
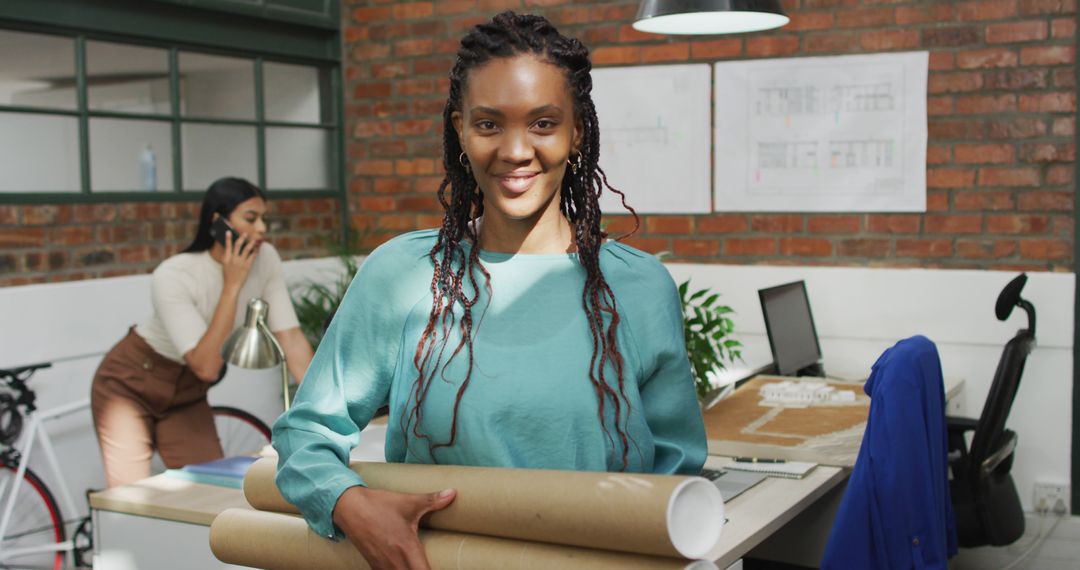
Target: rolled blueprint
(276,541)
(659,515)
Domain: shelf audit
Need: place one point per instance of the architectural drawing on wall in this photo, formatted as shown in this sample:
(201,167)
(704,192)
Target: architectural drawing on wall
(822,134)
(863,97)
(783,155)
(867,153)
(654,137)
(783,101)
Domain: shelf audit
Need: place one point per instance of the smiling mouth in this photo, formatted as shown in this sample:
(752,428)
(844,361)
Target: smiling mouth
(517,183)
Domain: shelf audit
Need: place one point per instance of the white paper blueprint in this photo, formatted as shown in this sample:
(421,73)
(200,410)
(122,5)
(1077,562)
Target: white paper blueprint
(655,137)
(822,134)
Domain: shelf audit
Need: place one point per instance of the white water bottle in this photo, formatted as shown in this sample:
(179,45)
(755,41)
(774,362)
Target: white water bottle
(148,168)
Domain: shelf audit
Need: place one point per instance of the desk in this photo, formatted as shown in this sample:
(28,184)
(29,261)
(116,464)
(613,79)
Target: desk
(766,507)
(828,433)
(163,523)
(160,522)
(797,527)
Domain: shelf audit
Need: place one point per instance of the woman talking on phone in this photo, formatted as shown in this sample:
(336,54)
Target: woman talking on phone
(149,393)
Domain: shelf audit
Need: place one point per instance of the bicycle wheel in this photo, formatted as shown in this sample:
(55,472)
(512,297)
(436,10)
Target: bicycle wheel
(239,432)
(36,527)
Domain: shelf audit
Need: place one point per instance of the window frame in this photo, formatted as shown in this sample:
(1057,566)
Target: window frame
(173,46)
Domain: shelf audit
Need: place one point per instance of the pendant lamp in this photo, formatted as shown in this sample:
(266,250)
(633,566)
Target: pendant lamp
(694,17)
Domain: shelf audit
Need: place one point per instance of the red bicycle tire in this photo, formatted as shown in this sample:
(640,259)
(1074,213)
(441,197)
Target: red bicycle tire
(246,418)
(53,509)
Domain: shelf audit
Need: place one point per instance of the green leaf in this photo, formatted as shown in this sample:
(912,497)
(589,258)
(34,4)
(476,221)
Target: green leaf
(706,332)
(315,302)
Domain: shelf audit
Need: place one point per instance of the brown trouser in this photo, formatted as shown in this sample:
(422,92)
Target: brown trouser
(143,401)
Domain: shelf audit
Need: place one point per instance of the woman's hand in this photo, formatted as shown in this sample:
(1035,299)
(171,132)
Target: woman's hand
(383,525)
(236,261)
(205,358)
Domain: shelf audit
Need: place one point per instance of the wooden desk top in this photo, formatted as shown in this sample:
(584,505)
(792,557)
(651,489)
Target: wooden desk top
(168,498)
(762,509)
(752,516)
(743,424)
(827,433)
(173,499)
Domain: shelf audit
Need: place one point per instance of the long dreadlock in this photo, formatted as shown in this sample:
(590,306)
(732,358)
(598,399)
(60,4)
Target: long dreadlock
(509,35)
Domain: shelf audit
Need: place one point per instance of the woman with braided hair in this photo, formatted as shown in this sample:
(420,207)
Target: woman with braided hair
(515,335)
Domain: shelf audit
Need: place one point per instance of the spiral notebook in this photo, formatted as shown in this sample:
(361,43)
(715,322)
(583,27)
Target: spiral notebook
(788,470)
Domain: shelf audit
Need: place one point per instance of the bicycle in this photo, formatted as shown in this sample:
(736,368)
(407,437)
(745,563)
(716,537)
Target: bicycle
(33,531)
(239,432)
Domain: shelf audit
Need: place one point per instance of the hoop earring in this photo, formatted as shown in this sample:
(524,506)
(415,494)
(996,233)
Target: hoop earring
(575,165)
(464,162)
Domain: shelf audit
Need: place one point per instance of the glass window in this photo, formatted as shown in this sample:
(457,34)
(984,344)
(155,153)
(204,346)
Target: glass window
(296,93)
(213,151)
(37,70)
(124,111)
(216,87)
(39,153)
(127,79)
(298,158)
(129,155)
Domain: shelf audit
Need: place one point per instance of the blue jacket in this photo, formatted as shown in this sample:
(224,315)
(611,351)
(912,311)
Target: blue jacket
(896,511)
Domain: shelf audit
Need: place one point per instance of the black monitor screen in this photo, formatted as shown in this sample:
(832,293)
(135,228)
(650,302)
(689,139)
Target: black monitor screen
(790,326)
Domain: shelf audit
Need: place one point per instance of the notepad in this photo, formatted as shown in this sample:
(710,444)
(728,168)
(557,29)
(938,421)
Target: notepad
(788,470)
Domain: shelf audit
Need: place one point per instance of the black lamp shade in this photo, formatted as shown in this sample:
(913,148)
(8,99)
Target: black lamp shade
(709,16)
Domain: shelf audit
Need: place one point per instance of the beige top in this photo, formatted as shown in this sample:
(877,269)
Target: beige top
(185,291)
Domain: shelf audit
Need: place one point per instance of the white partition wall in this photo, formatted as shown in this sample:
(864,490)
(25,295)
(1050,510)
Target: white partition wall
(859,313)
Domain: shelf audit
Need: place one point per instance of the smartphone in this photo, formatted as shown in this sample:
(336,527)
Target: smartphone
(219,228)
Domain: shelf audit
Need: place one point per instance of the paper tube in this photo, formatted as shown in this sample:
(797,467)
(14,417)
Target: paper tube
(275,541)
(646,514)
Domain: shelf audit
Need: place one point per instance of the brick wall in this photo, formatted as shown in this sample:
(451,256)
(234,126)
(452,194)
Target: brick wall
(1001,105)
(1001,156)
(44,243)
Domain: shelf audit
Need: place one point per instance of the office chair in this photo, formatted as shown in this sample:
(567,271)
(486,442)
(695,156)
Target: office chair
(987,507)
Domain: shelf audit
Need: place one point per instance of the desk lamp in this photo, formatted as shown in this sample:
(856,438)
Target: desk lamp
(679,17)
(252,345)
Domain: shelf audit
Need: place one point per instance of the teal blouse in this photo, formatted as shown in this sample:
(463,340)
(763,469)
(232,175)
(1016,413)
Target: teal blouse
(529,402)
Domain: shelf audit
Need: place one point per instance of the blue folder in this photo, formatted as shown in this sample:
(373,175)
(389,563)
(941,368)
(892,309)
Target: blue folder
(226,472)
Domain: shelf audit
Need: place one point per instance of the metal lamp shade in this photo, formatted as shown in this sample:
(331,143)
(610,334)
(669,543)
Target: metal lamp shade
(690,17)
(251,345)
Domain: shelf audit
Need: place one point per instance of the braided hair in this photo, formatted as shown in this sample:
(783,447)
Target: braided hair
(457,268)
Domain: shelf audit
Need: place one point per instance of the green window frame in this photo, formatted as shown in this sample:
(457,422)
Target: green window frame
(305,41)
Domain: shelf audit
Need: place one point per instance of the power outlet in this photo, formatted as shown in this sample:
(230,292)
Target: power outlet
(1051,497)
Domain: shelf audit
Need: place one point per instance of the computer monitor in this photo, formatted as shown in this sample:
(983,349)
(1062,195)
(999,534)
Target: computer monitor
(792,336)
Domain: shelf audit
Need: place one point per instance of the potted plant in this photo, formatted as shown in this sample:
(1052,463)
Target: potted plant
(316,302)
(707,328)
